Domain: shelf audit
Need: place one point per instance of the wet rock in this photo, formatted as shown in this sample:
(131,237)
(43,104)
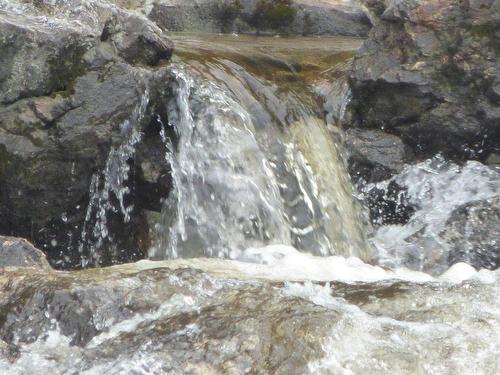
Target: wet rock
(173,318)
(80,305)
(374,155)
(137,41)
(35,61)
(493,160)
(473,234)
(301,17)
(17,252)
(69,88)
(428,73)
(441,229)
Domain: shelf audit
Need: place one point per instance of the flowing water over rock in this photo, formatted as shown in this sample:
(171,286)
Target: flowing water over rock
(209,316)
(112,181)
(259,179)
(253,162)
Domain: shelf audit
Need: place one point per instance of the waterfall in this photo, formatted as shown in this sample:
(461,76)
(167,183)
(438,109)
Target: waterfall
(247,178)
(253,161)
(225,195)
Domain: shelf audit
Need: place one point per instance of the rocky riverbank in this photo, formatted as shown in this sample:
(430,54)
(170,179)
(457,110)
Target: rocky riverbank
(425,83)
(216,316)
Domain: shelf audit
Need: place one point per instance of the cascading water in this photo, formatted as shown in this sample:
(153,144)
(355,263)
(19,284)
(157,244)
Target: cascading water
(245,179)
(225,195)
(258,176)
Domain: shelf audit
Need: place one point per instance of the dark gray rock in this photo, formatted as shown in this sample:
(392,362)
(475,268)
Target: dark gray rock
(17,252)
(428,73)
(137,41)
(473,234)
(35,60)
(68,88)
(374,155)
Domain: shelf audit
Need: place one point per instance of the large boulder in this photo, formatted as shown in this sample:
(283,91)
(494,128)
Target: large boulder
(429,74)
(73,91)
(301,17)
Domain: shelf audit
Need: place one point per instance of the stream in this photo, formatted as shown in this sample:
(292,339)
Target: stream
(264,260)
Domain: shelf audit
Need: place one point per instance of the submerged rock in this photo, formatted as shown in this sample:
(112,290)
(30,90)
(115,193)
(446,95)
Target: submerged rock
(70,90)
(17,252)
(452,216)
(428,74)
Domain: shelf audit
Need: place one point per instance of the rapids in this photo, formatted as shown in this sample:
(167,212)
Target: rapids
(264,261)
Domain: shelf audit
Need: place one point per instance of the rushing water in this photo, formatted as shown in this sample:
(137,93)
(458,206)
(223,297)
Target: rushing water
(254,164)
(260,180)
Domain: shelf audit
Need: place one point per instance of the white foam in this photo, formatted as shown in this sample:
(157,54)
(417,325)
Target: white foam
(287,263)
(461,272)
(422,335)
(280,262)
(50,354)
(458,273)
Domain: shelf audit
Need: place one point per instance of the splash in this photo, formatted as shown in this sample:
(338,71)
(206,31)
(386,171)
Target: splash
(435,188)
(108,190)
